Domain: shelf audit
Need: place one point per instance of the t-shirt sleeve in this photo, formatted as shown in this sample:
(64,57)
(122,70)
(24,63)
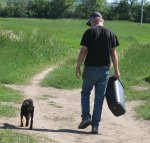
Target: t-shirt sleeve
(85,39)
(114,41)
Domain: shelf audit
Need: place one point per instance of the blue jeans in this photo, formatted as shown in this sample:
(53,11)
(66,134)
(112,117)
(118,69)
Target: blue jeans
(94,77)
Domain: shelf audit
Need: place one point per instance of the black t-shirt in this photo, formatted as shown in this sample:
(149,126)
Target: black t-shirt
(99,41)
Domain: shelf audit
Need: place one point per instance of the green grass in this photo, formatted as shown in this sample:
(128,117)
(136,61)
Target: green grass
(7,95)
(135,69)
(39,43)
(7,111)
(135,64)
(144,111)
(63,77)
(48,42)
(8,136)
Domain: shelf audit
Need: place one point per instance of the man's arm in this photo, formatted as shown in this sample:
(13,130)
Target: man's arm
(81,58)
(114,56)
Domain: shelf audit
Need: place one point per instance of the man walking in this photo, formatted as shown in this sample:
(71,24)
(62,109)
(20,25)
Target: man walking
(98,48)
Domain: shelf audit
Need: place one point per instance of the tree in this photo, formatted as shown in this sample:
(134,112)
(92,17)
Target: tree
(89,6)
(38,8)
(60,7)
(146,14)
(14,10)
(126,10)
(122,10)
(20,10)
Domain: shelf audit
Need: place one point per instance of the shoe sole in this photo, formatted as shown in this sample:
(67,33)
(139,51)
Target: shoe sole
(85,125)
(94,132)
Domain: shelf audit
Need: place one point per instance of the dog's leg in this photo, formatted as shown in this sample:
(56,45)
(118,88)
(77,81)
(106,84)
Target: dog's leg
(31,122)
(21,117)
(27,120)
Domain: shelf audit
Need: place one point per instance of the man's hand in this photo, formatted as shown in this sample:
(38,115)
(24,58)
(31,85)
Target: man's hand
(78,72)
(116,74)
(81,58)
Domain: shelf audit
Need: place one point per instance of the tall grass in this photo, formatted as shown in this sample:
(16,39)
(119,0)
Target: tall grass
(47,42)
(135,69)
(40,45)
(135,66)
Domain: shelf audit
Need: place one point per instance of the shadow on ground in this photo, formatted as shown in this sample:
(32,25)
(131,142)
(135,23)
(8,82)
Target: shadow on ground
(10,126)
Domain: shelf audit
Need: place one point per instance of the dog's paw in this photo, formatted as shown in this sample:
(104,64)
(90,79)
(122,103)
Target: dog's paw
(21,125)
(30,128)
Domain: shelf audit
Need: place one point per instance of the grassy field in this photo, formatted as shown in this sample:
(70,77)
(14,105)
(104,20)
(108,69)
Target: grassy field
(29,45)
(40,43)
(6,96)
(7,136)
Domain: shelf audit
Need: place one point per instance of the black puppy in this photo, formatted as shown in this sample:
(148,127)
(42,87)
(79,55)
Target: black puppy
(27,110)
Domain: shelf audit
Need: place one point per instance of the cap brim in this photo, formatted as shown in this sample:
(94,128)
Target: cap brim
(88,22)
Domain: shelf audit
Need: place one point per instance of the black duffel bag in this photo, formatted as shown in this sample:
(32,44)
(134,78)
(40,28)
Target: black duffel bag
(115,96)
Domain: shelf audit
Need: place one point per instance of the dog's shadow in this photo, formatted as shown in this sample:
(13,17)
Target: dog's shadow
(10,126)
(63,130)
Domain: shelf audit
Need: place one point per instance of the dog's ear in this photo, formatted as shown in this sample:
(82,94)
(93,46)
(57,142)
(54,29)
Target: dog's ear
(30,101)
(25,104)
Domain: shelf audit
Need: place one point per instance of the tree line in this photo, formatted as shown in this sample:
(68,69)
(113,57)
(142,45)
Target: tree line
(123,10)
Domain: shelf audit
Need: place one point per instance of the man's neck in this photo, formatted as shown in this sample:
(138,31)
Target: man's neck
(98,24)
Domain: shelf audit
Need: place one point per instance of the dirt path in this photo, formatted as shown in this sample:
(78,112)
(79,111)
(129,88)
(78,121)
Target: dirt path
(57,115)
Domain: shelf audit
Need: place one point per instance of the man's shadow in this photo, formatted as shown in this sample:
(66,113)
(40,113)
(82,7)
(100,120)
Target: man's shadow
(10,126)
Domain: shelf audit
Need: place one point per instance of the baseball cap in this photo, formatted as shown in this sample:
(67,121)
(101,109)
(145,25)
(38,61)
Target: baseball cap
(94,14)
